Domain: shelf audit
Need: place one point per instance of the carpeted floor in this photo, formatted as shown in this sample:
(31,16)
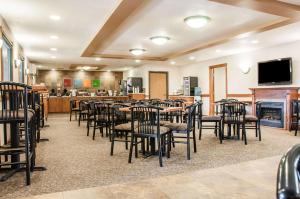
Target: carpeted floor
(75,161)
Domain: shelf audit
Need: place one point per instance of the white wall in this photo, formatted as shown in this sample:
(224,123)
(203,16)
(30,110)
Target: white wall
(175,81)
(239,83)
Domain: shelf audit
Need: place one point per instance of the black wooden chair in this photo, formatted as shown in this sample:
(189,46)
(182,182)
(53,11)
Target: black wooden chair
(234,114)
(83,111)
(74,108)
(102,118)
(253,121)
(120,126)
(295,115)
(210,122)
(14,111)
(185,131)
(90,116)
(146,125)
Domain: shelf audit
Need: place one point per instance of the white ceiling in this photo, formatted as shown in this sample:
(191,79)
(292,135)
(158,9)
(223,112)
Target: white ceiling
(81,19)
(166,18)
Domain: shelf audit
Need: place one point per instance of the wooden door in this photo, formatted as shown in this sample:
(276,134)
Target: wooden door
(218,86)
(158,85)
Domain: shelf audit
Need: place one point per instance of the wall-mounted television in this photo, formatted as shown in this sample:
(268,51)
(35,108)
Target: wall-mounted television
(273,72)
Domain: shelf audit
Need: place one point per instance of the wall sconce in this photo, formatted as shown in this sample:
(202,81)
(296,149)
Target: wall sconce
(245,69)
(18,63)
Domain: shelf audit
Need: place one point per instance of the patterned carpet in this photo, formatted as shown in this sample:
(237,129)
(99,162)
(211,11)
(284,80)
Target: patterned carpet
(75,161)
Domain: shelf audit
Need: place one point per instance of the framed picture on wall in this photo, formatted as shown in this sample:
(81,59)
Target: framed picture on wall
(96,83)
(67,82)
(78,83)
(87,83)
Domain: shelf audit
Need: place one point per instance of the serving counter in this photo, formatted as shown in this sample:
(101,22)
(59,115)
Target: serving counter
(62,104)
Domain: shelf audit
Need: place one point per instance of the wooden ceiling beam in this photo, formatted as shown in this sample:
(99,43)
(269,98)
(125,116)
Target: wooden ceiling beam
(109,30)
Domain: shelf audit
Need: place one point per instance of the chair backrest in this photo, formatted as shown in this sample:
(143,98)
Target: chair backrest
(258,109)
(146,118)
(14,101)
(118,117)
(288,180)
(191,113)
(199,112)
(234,112)
(102,111)
(83,105)
(73,104)
(295,107)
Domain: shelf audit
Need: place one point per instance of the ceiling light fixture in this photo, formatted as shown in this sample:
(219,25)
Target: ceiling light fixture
(218,51)
(108,70)
(53,49)
(86,67)
(54,17)
(173,62)
(192,58)
(53,69)
(160,40)
(255,41)
(53,57)
(196,21)
(137,61)
(53,37)
(98,59)
(137,51)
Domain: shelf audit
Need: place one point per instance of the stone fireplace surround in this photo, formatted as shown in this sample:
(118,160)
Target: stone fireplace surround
(276,94)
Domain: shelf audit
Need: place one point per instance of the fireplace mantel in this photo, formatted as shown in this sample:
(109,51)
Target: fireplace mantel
(285,94)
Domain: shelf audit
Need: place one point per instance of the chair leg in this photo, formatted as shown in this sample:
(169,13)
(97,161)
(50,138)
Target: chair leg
(169,144)
(159,151)
(188,151)
(94,132)
(79,119)
(194,141)
(297,126)
(136,147)
(88,127)
(244,133)
(216,127)
(112,144)
(256,129)
(200,130)
(220,133)
(126,139)
(173,140)
(130,149)
(259,131)
(70,115)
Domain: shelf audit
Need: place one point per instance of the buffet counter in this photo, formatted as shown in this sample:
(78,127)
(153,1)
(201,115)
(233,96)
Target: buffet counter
(62,104)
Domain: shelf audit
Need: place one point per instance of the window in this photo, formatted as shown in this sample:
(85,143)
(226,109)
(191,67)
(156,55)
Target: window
(21,71)
(7,60)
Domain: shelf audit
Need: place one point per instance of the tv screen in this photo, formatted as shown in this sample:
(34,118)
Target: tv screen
(278,71)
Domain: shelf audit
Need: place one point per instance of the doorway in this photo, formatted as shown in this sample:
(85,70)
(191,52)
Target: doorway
(218,86)
(158,85)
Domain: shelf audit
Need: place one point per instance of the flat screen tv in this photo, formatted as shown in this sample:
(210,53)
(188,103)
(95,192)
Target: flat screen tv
(273,72)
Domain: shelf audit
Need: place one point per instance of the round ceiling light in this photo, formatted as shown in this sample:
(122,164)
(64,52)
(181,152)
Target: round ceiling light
(159,40)
(197,21)
(137,51)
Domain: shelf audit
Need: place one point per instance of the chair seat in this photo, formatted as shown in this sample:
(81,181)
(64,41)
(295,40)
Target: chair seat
(213,118)
(6,116)
(251,118)
(162,130)
(124,127)
(176,126)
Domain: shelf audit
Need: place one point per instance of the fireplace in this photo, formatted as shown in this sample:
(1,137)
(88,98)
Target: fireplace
(272,114)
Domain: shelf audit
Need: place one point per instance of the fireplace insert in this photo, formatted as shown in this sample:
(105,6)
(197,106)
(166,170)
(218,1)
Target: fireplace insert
(272,114)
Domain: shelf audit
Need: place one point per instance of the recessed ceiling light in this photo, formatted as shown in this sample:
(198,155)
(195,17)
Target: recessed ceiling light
(137,61)
(98,59)
(137,51)
(197,21)
(86,67)
(53,69)
(54,17)
(126,68)
(53,57)
(255,41)
(108,70)
(173,62)
(218,51)
(53,49)
(53,37)
(191,57)
(159,40)
(81,70)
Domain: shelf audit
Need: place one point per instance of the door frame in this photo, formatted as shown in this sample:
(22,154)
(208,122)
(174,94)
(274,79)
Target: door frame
(167,81)
(212,85)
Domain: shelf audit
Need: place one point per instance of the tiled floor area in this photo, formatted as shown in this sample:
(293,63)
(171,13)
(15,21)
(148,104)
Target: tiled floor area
(247,180)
